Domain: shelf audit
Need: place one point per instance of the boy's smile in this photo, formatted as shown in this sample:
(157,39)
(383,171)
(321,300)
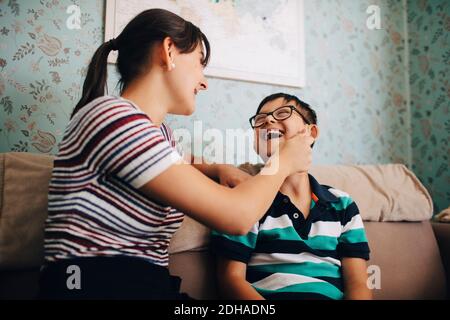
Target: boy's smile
(272,133)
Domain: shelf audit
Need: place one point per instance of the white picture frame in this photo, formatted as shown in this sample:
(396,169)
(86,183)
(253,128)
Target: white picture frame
(259,62)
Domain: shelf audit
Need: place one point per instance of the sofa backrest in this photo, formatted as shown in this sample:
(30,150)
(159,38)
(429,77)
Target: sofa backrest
(388,192)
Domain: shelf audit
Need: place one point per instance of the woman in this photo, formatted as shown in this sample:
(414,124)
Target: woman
(117,178)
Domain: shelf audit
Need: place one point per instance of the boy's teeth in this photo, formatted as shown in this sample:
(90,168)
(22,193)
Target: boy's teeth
(273,134)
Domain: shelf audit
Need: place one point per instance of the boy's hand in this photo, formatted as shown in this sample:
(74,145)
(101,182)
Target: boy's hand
(231,176)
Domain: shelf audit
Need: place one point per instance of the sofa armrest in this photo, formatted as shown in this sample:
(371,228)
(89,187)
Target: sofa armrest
(442,234)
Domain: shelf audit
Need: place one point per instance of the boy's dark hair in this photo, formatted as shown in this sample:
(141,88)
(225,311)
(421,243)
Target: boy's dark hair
(134,45)
(304,108)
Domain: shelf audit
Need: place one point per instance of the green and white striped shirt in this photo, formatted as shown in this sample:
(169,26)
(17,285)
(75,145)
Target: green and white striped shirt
(290,257)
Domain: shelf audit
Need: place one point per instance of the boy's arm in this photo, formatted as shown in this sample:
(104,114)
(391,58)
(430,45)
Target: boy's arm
(232,282)
(354,273)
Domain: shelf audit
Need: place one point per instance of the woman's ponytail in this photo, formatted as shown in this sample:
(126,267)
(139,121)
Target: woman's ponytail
(95,82)
(136,41)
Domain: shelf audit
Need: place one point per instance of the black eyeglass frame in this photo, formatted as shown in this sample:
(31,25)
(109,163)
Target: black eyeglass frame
(293,108)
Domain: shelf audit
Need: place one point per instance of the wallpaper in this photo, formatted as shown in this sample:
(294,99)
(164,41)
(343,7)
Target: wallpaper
(429,47)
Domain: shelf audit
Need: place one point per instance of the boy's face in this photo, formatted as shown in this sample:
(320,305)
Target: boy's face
(273,133)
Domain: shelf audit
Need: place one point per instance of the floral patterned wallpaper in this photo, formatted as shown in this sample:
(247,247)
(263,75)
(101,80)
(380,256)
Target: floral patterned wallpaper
(42,63)
(358,80)
(429,47)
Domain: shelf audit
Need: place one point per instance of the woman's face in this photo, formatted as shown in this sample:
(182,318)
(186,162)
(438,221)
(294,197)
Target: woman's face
(273,133)
(186,80)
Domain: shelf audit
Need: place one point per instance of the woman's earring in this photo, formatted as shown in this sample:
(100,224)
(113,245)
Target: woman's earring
(173,65)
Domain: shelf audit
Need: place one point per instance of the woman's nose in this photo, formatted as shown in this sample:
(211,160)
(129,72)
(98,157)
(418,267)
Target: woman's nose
(204,84)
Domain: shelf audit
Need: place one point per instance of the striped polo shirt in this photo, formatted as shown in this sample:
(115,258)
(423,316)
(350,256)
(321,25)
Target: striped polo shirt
(289,257)
(110,149)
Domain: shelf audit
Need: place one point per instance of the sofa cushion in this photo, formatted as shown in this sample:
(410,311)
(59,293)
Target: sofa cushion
(408,260)
(387,192)
(191,236)
(24,179)
(442,233)
(405,264)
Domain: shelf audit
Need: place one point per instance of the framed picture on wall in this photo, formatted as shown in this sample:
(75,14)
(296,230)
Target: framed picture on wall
(252,40)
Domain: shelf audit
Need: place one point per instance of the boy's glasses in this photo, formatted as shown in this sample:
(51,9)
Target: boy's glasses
(279,114)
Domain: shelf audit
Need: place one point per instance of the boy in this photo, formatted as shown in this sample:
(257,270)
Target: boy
(311,243)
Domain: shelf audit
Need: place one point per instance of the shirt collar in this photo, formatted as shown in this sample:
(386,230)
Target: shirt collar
(321,191)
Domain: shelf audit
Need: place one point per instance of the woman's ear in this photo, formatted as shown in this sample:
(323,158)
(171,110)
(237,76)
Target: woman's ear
(314,129)
(167,53)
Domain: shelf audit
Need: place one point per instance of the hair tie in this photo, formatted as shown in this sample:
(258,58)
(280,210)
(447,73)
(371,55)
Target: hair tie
(113,44)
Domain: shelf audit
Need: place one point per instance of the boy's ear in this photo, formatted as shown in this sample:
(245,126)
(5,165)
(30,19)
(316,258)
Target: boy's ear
(314,129)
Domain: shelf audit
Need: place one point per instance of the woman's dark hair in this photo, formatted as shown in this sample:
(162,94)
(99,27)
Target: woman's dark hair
(134,45)
(304,108)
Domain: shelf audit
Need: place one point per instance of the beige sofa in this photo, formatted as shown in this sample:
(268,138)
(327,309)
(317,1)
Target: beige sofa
(410,256)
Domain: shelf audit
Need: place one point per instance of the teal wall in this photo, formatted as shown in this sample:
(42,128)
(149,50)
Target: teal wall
(369,87)
(429,54)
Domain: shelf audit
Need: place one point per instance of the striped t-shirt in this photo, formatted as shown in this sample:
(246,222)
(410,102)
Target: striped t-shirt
(110,149)
(289,257)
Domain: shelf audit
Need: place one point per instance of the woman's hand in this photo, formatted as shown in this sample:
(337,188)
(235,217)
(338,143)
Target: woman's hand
(295,155)
(231,176)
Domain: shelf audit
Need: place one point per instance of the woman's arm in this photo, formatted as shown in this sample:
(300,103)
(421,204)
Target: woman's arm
(232,282)
(232,211)
(354,272)
(209,170)
(225,174)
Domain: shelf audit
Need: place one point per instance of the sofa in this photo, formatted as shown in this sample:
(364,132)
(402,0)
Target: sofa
(410,254)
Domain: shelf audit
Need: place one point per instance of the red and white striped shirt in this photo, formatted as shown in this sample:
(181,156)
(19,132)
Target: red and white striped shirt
(110,149)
